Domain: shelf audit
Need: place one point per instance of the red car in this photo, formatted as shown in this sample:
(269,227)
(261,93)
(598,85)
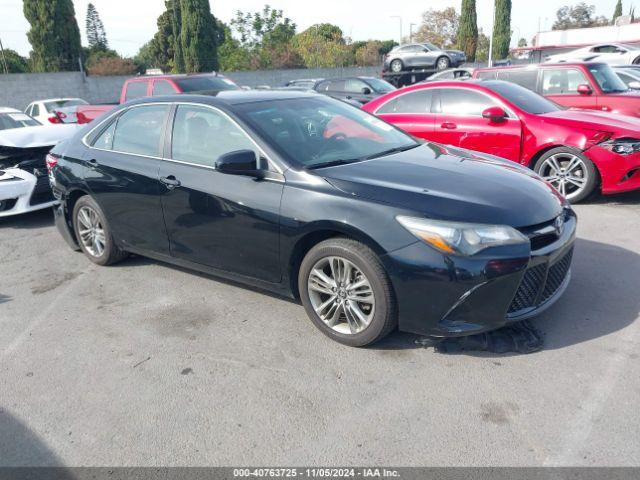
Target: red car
(593,86)
(576,151)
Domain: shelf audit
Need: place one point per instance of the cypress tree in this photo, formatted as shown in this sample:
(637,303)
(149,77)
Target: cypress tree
(502,29)
(198,36)
(175,9)
(54,35)
(96,35)
(618,11)
(468,29)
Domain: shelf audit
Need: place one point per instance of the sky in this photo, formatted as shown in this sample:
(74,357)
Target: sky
(131,23)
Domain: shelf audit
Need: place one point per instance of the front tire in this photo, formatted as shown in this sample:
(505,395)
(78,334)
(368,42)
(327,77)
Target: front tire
(94,234)
(569,171)
(347,293)
(443,63)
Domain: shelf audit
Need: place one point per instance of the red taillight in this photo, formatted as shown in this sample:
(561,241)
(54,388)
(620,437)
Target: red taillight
(54,119)
(51,162)
(61,115)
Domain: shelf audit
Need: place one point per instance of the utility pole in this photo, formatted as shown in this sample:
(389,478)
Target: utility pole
(4,59)
(493,26)
(411,25)
(400,22)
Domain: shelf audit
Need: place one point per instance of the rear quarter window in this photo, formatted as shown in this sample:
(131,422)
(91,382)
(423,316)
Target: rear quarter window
(524,78)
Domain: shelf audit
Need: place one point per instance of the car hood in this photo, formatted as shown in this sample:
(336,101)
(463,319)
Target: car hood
(600,121)
(453,184)
(456,52)
(36,136)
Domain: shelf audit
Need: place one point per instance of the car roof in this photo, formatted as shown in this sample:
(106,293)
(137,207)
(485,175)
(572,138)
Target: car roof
(534,66)
(176,76)
(9,110)
(56,99)
(229,97)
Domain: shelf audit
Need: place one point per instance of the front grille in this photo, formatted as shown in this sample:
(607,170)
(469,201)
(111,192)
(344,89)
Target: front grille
(536,280)
(41,192)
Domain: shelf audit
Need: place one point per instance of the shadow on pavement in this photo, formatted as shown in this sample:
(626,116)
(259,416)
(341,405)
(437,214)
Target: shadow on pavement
(627,198)
(37,219)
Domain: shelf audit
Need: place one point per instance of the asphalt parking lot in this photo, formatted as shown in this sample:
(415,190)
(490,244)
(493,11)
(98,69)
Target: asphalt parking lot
(147,364)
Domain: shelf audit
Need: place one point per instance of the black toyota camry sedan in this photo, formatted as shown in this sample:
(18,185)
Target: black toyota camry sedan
(314,199)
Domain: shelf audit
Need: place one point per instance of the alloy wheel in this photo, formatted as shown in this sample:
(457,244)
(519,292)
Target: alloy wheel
(566,172)
(443,64)
(341,295)
(91,231)
(396,66)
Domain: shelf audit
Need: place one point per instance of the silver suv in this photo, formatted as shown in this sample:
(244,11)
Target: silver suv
(422,55)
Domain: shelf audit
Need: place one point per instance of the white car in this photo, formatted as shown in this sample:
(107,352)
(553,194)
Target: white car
(55,110)
(611,53)
(24,144)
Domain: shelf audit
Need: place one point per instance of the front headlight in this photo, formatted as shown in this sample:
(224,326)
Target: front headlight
(461,238)
(623,146)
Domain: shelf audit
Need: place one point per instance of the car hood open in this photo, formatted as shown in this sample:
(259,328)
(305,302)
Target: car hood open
(451,184)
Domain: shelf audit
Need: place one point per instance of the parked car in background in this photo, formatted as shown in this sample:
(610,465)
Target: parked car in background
(578,152)
(12,118)
(451,74)
(629,74)
(24,144)
(610,53)
(308,83)
(422,55)
(354,89)
(55,110)
(156,85)
(311,198)
(593,86)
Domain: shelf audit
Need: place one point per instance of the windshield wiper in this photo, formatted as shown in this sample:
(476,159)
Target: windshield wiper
(391,151)
(332,163)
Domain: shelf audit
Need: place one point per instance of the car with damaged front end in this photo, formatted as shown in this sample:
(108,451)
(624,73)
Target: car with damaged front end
(314,199)
(24,144)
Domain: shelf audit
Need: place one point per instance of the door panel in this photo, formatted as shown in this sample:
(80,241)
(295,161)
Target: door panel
(229,222)
(411,112)
(561,86)
(122,175)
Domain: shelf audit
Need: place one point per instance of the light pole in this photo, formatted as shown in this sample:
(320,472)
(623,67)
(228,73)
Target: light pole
(411,25)
(493,25)
(400,23)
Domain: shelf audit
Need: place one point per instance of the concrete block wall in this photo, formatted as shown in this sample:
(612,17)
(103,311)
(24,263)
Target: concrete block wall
(18,90)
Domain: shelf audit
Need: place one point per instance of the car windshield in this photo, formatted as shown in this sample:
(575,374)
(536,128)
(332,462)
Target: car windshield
(523,98)
(380,86)
(316,132)
(205,84)
(51,106)
(431,46)
(607,79)
(16,120)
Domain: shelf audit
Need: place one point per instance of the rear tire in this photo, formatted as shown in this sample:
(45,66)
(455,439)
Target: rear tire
(397,66)
(344,281)
(569,171)
(93,233)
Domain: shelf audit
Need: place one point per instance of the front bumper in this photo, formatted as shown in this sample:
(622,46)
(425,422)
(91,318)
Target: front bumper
(619,173)
(445,296)
(24,192)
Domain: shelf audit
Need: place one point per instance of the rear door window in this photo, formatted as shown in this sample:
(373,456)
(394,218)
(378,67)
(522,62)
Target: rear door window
(562,81)
(136,90)
(139,130)
(414,102)
(162,87)
(524,77)
(353,85)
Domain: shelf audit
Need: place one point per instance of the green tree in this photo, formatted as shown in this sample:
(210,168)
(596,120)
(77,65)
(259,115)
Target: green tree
(579,15)
(174,13)
(468,29)
(54,35)
(439,27)
(198,36)
(522,43)
(617,12)
(482,51)
(96,35)
(16,63)
(502,29)
(323,46)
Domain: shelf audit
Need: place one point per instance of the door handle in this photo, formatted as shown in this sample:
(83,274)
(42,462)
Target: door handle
(93,163)
(449,126)
(170,182)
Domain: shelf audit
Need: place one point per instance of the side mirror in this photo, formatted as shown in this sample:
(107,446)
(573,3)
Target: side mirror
(634,85)
(584,89)
(240,162)
(495,114)
(366,91)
